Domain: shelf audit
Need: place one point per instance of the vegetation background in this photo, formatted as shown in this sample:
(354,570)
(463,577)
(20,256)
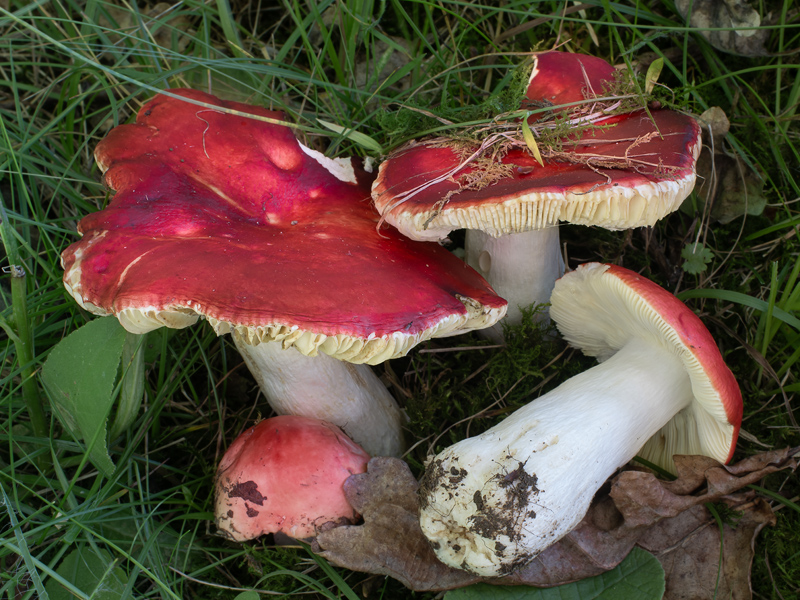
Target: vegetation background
(72,69)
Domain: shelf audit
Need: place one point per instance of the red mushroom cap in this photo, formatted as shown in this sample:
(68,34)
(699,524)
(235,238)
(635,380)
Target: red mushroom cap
(562,78)
(627,171)
(286,474)
(220,212)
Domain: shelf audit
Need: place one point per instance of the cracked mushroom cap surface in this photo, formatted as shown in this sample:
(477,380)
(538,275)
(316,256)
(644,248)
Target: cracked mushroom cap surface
(286,474)
(220,212)
(599,308)
(627,170)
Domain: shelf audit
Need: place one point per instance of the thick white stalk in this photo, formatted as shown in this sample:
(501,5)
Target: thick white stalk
(520,267)
(491,503)
(350,396)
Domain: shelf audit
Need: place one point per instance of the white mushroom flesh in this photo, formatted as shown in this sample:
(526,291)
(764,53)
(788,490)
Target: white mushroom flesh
(491,503)
(350,396)
(520,267)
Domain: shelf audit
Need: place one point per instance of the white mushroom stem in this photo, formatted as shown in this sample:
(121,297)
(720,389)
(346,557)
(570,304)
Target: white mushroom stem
(520,267)
(345,394)
(491,503)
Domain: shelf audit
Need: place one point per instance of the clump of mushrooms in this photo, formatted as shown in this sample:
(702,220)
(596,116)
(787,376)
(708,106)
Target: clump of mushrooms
(491,503)
(615,170)
(286,474)
(221,213)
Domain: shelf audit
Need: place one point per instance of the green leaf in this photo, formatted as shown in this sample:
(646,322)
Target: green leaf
(249,595)
(638,577)
(653,72)
(79,375)
(744,300)
(229,26)
(94,573)
(697,258)
(362,139)
(131,393)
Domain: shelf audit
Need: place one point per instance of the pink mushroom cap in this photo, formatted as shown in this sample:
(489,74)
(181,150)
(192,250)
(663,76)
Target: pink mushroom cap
(286,474)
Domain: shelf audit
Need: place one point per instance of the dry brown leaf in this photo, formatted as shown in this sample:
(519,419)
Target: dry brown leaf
(727,182)
(390,542)
(667,518)
(688,547)
(729,25)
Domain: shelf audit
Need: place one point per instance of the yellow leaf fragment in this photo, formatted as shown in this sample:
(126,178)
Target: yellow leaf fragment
(653,72)
(530,141)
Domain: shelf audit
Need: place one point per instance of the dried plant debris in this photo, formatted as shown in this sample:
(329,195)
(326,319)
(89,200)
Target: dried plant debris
(726,181)
(729,25)
(669,519)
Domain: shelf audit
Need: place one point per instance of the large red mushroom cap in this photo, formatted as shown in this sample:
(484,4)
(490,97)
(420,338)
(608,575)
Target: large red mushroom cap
(626,170)
(286,474)
(220,212)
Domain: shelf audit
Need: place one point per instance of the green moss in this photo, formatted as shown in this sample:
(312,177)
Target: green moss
(452,395)
(776,564)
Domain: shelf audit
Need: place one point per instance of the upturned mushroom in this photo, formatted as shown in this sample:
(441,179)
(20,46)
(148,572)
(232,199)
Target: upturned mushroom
(616,171)
(221,213)
(286,474)
(491,503)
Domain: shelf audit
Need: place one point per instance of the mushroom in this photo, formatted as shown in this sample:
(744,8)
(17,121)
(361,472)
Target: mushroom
(286,474)
(220,212)
(621,171)
(491,503)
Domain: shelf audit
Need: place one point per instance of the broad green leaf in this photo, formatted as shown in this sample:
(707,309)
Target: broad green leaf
(653,73)
(696,257)
(530,141)
(95,574)
(249,595)
(362,139)
(638,577)
(79,375)
(131,393)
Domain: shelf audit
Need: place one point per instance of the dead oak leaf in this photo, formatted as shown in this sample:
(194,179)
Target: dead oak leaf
(643,499)
(688,548)
(666,518)
(729,25)
(390,542)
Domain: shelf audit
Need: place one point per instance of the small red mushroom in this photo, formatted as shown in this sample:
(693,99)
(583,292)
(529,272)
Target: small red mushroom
(286,474)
